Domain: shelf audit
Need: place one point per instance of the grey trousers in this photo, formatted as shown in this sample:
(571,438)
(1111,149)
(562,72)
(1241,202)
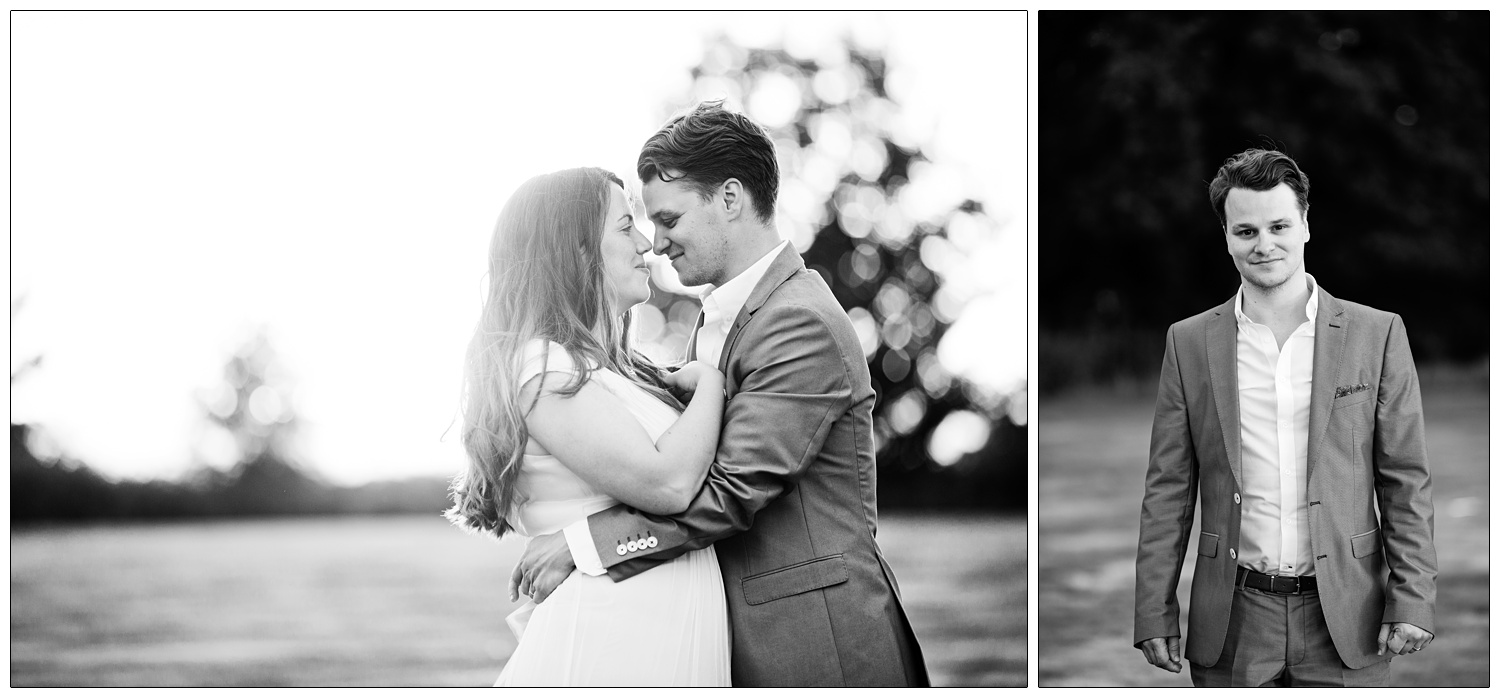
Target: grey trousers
(1277,640)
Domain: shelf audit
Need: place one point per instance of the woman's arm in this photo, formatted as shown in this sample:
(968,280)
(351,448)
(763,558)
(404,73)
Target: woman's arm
(596,436)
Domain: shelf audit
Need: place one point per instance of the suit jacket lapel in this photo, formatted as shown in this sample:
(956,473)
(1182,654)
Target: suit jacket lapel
(782,268)
(1223,375)
(1328,358)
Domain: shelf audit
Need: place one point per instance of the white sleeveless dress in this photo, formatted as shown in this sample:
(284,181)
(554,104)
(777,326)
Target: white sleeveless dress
(666,626)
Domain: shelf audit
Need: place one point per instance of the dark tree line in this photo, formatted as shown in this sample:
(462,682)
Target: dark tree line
(56,490)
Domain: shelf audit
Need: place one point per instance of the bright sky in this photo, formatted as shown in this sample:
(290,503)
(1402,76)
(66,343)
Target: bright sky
(179,180)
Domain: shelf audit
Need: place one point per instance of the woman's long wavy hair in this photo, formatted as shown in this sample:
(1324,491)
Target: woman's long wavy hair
(546,281)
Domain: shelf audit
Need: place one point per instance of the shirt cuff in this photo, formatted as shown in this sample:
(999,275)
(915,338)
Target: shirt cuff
(581,545)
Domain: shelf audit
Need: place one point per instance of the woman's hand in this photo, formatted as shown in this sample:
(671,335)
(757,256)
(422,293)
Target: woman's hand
(546,563)
(686,381)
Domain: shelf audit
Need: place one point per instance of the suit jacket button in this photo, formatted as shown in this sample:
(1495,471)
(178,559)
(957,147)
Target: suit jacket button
(1232,556)
(1236,497)
(632,546)
(621,550)
(651,542)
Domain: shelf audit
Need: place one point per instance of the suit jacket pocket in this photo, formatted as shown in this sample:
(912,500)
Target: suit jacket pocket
(1358,398)
(802,577)
(1208,544)
(1365,544)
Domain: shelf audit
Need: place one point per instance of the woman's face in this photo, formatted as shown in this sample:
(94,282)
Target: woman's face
(622,247)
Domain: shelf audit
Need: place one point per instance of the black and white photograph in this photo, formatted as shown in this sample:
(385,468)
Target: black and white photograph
(601,349)
(1262,354)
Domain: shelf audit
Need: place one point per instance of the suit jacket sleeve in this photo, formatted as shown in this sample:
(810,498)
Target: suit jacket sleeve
(1167,508)
(795,388)
(1403,488)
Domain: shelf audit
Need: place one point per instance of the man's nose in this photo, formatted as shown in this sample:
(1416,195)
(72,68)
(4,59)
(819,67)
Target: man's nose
(1264,245)
(662,241)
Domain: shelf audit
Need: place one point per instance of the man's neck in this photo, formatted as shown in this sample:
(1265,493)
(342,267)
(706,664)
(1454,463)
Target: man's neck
(1278,305)
(756,244)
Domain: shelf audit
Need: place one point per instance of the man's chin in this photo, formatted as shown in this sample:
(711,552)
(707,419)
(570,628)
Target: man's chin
(690,278)
(1267,282)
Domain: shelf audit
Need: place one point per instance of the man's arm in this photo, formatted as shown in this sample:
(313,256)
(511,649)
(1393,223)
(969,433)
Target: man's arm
(774,427)
(1166,518)
(1403,488)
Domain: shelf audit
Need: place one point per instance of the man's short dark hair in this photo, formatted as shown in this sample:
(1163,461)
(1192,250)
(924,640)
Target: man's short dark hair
(709,145)
(1257,170)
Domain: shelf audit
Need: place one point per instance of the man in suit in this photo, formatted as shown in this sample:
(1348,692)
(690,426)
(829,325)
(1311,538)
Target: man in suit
(1297,420)
(789,502)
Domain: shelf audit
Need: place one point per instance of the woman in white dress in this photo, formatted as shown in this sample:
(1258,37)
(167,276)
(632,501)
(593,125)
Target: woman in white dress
(561,419)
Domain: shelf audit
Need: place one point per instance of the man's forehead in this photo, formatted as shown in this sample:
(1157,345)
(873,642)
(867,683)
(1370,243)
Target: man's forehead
(1275,201)
(659,194)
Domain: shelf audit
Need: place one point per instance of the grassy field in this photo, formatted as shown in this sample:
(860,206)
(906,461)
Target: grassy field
(402,601)
(1092,469)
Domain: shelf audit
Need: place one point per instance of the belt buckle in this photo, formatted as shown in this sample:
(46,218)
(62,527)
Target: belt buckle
(1296,585)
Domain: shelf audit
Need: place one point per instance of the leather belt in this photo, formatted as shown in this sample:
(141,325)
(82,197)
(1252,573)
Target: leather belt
(1275,584)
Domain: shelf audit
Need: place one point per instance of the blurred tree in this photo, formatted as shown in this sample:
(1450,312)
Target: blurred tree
(27,365)
(253,406)
(1388,113)
(850,173)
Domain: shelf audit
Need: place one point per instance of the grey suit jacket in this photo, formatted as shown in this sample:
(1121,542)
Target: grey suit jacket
(789,501)
(1368,490)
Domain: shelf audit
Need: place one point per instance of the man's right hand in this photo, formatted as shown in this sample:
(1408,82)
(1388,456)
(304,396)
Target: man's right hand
(1164,652)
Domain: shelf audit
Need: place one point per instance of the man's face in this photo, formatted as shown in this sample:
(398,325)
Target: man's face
(691,232)
(1265,232)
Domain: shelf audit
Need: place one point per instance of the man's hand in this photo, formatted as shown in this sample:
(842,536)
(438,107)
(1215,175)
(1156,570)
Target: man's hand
(545,564)
(1401,638)
(1164,652)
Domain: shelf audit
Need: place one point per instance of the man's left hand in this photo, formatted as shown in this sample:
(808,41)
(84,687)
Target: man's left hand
(1402,638)
(545,564)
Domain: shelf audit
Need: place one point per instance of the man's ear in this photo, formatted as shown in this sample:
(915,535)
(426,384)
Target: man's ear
(732,192)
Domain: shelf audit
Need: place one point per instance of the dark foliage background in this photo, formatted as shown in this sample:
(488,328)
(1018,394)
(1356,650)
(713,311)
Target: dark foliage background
(1387,113)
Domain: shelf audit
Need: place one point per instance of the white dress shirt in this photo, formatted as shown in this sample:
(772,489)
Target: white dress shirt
(720,307)
(723,304)
(1275,394)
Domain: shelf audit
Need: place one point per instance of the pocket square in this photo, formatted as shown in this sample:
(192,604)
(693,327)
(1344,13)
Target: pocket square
(1350,390)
